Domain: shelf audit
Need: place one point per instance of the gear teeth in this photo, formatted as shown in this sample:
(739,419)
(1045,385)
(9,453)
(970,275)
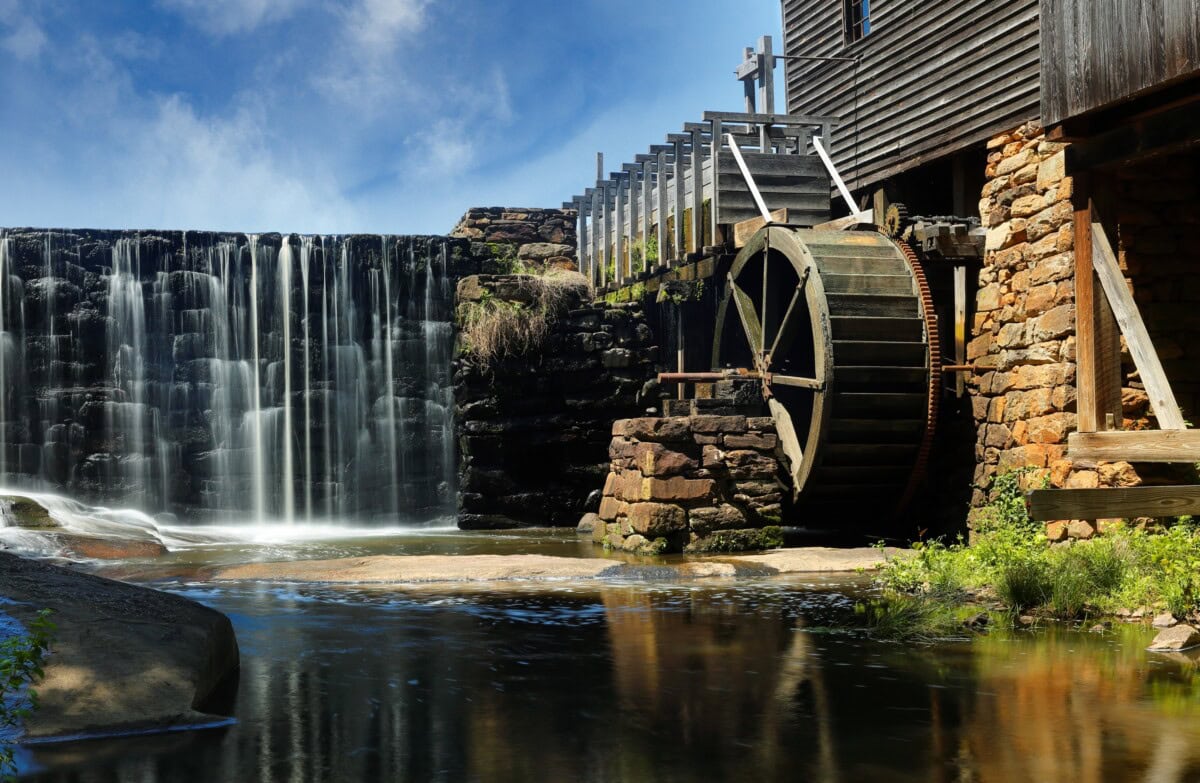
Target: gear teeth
(933,338)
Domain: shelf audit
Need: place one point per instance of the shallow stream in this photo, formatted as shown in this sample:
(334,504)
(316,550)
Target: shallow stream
(701,681)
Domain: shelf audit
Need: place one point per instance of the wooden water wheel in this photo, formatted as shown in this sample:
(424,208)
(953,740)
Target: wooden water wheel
(837,326)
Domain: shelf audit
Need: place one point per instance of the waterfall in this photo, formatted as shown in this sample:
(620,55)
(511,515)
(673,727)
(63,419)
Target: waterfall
(228,377)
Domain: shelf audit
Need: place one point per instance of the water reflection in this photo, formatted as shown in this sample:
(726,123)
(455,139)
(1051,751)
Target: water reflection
(656,682)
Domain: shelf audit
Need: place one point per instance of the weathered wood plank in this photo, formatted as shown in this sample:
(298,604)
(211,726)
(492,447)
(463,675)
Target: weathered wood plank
(1162,399)
(745,229)
(1099,52)
(1135,446)
(965,70)
(1116,503)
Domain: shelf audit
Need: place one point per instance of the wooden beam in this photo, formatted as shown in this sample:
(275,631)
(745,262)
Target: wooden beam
(1097,338)
(1162,399)
(1120,503)
(743,231)
(1135,446)
(847,222)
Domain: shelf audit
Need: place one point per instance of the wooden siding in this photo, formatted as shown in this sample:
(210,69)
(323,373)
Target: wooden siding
(1099,52)
(797,183)
(935,77)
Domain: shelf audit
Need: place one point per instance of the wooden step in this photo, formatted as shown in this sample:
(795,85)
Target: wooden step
(873,305)
(869,352)
(886,430)
(867,454)
(859,476)
(860,265)
(882,379)
(906,329)
(864,405)
(900,285)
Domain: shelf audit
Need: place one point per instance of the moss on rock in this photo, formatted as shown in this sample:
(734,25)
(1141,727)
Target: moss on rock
(28,513)
(745,540)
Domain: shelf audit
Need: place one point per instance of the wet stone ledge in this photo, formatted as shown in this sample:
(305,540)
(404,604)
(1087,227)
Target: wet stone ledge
(701,483)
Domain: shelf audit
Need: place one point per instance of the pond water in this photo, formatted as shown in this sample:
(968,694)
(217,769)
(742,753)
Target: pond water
(655,682)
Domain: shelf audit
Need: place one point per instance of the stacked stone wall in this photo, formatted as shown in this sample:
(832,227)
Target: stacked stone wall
(1023,346)
(533,428)
(693,484)
(530,236)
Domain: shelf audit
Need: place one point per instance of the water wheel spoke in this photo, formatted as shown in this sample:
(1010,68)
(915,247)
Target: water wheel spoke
(787,437)
(787,326)
(749,318)
(800,383)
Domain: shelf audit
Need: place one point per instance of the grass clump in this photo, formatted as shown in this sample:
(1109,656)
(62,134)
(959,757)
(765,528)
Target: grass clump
(1011,560)
(493,328)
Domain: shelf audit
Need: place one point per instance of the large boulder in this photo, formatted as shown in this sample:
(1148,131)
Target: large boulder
(124,658)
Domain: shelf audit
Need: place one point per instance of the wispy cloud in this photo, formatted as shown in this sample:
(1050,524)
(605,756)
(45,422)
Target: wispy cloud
(375,27)
(367,68)
(20,35)
(229,17)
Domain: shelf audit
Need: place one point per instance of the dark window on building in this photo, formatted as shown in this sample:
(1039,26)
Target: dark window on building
(857,16)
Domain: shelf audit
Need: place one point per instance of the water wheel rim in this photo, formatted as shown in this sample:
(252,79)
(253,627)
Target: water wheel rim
(772,242)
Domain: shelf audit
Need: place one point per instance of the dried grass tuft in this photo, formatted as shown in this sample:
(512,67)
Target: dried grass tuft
(494,329)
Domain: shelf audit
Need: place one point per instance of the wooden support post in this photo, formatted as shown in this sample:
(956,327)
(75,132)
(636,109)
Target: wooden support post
(606,233)
(960,327)
(660,178)
(715,157)
(1097,343)
(619,222)
(766,75)
(647,210)
(748,82)
(635,210)
(580,235)
(1162,399)
(697,191)
(677,250)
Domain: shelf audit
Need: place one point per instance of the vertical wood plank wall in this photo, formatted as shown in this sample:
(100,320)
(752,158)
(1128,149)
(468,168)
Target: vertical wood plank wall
(1096,52)
(935,76)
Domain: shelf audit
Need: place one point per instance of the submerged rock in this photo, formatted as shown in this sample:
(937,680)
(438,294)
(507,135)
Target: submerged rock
(97,548)
(1179,637)
(123,658)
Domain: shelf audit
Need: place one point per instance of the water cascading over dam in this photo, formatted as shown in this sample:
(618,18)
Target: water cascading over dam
(227,376)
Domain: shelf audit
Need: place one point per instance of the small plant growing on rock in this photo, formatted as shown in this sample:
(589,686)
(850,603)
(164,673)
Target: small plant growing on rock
(21,666)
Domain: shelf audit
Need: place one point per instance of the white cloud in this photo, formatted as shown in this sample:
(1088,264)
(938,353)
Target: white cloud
(184,170)
(367,69)
(228,17)
(20,35)
(374,27)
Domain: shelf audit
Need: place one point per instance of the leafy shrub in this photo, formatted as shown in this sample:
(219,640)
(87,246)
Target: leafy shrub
(21,662)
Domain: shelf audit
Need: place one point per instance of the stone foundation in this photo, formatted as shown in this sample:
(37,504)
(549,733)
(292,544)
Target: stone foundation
(691,484)
(1024,329)
(533,429)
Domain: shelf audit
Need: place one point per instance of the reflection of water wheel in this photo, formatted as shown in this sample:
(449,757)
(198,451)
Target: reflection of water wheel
(834,325)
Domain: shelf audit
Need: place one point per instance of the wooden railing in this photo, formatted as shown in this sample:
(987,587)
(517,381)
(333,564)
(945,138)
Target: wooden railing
(674,201)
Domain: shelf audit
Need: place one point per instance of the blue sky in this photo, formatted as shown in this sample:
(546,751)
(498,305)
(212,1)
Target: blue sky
(338,116)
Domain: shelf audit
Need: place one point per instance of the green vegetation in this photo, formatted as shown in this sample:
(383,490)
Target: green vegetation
(1011,560)
(506,258)
(493,328)
(21,665)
